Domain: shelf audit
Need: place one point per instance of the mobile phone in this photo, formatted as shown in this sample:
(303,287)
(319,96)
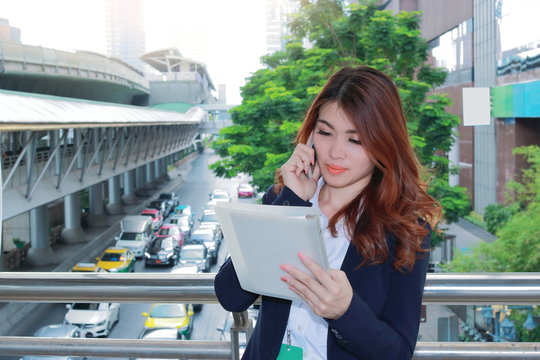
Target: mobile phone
(310,143)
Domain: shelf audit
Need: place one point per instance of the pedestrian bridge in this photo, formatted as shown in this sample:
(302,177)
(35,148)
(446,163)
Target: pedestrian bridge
(79,74)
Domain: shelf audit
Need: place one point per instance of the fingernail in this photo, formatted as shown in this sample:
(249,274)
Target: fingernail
(284,267)
(283,278)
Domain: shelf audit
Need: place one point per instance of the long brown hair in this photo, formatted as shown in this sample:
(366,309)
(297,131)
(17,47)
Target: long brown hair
(395,201)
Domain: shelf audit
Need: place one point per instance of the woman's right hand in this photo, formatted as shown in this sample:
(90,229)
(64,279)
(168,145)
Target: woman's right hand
(295,172)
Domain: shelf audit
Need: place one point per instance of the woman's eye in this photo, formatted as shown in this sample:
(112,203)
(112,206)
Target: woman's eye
(325,133)
(354,141)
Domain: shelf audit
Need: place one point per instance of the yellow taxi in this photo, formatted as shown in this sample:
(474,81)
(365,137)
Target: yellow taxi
(86,267)
(178,316)
(117,259)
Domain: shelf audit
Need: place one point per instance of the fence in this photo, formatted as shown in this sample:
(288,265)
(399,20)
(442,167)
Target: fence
(489,288)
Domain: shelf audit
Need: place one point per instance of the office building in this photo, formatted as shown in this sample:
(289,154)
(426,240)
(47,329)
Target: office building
(124,22)
(491,44)
(8,32)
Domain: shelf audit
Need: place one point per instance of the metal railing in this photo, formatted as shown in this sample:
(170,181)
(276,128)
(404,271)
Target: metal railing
(489,288)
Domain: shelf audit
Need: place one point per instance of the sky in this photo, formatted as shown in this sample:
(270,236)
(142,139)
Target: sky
(233,31)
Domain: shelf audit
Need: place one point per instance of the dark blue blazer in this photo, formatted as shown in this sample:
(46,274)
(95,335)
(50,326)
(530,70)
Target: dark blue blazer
(381,323)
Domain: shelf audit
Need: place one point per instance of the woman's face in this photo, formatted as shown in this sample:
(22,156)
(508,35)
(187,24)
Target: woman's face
(342,159)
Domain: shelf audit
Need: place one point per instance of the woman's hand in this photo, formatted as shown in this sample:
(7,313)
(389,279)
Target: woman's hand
(295,170)
(327,294)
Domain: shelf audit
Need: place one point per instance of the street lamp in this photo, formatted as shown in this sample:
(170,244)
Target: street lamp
(529,324)
(487,314)
(508,329)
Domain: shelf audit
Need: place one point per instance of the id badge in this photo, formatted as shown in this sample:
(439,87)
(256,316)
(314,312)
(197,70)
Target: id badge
(289,352)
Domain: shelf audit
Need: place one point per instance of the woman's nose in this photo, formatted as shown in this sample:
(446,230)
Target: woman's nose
(337,150)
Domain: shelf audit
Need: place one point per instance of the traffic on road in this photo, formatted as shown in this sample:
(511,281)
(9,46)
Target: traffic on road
(178,233)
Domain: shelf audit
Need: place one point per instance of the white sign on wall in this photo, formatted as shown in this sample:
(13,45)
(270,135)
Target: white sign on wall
(476,106)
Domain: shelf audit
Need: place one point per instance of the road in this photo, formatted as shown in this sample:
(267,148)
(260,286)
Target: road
(198,182)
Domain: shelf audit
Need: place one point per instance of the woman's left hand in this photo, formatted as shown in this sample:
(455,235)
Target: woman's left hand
(327,294)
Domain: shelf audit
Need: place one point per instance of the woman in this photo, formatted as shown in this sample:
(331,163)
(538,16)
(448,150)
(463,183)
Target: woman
(363,176)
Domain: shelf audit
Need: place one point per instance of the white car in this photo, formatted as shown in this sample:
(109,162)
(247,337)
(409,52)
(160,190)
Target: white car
(62,331)
(218,195)
(94,319)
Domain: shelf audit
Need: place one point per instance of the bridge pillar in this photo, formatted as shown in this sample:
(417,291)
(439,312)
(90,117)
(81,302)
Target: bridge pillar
(115,205)
(129,197)
(150,176)
(40,252)
(141,189)
(164,172)
(157,172)
(97,217)
(72,232)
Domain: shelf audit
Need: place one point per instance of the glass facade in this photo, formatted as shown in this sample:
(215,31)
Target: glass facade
(453,51)
(518,33)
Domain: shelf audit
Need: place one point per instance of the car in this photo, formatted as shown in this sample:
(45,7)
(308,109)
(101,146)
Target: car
(62,331)
(245,191)
(209,206)
(208,238)
(171,230)
(215,228)
(162,251)
(210,217)
(160,334)
(220,195)
(162,205)
(183,222)
(156,215)
(95,319)
(184,209)
(117,259)
(195,254)
(136,231)
(175,316)
(171,198)
(190,269)
(86,267)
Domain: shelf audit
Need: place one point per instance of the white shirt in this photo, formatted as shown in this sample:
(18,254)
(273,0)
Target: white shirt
(309,331)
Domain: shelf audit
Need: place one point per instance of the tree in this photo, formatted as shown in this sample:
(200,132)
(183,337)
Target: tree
(276,98)
(517,247)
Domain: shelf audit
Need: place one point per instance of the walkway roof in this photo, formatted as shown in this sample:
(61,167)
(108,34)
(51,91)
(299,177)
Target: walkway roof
(24,111)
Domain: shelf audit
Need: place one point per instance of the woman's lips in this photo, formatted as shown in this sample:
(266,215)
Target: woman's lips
(335,169)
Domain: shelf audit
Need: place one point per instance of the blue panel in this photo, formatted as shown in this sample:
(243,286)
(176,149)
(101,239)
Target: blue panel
(531,94)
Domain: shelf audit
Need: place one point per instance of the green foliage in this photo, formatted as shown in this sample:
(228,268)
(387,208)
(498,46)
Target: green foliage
(453,199)
(276,98)
(519,317)
(496,215)
(517,248)
(527,189)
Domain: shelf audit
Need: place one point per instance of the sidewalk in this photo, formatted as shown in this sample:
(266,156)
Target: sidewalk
(99,238)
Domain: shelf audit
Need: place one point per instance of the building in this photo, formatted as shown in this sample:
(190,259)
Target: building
(124,21)
(180,79)
(278,15)
(9,33)
(486,43)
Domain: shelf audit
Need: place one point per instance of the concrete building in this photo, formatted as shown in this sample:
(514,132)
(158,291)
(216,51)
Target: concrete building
(486,43)
(8,32)
(180,79)
(278,14)
(124,21)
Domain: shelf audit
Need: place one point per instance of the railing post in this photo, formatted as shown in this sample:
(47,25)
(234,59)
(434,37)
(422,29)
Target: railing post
(242,323)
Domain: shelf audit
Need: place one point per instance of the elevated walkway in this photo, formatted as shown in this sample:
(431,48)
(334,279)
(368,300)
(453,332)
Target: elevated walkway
(80,74)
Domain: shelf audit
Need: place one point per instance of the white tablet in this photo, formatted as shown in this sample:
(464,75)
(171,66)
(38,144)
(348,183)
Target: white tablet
(262,237)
